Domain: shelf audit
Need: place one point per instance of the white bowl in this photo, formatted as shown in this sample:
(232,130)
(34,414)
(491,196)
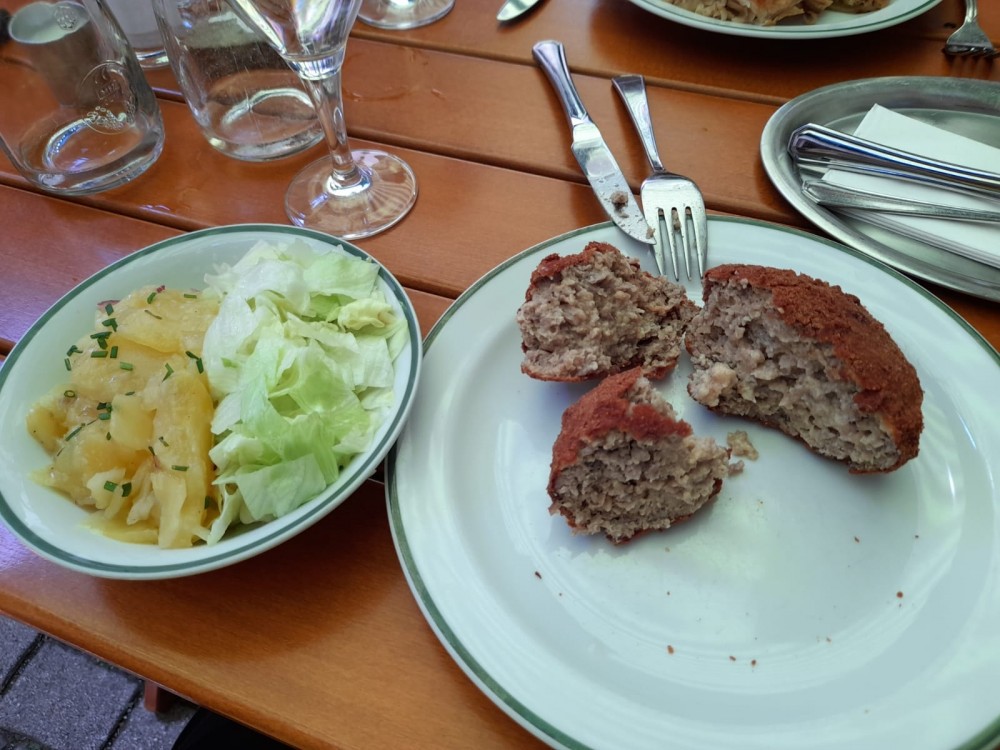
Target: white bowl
(52,525)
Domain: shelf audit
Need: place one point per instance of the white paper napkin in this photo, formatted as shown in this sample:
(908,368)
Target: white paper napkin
(977,240)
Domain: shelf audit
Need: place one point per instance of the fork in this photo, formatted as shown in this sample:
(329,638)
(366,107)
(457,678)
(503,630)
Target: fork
(672,204)
(969,40)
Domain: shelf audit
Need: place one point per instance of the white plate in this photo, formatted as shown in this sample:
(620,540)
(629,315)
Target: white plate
(804,608)
(829,24)
(52,525)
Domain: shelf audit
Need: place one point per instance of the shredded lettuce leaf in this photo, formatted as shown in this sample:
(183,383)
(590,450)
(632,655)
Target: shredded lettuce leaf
(299,360)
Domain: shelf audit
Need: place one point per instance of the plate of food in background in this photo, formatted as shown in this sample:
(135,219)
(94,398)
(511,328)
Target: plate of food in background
(203,400)
(788,19)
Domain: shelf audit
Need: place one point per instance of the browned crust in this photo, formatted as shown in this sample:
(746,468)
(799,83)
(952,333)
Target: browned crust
(598,412)
(887,382)
(606,408)
(551,268)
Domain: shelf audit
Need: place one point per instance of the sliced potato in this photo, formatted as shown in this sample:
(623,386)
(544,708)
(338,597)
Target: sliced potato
(129,434)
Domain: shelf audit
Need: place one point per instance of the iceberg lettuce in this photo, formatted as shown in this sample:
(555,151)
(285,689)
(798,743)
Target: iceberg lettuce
(300,363)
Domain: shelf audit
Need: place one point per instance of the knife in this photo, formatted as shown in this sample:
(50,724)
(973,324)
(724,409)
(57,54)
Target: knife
(515,9)
(817,146)
(589,148)
(827,194)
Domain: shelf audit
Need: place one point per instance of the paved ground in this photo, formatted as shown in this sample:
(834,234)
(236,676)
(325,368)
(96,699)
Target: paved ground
(53,697)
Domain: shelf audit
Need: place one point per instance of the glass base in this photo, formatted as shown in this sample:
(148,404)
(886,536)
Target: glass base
(403,14)
(75,158)
(151,59)
(386,196)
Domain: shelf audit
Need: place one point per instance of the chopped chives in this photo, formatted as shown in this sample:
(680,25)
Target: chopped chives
(69,393)
(73,433)
(68,365)
(107,436)
(110,486)
(104,416)
(126,489)
(197,361)
(103,405)
(109,308)
(100,335)
(177,467)
(165,443)
(110,323)
(72,350)
(151,297)
(152,452)
(170,371)
(148,312)
(114,352)
(125,366)
(100,354)
(191,296)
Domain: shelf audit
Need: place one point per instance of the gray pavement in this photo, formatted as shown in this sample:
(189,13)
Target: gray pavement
(54,697)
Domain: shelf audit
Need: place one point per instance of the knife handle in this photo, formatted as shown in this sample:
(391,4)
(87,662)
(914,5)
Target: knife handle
(812,144)
(551,57)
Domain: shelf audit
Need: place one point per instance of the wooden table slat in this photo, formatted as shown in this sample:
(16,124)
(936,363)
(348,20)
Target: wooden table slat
(319,641)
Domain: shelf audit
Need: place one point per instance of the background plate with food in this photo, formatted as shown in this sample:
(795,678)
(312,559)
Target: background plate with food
(828,23)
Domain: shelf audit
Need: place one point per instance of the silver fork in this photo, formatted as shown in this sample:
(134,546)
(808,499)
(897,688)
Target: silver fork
(969,40)
(672,204)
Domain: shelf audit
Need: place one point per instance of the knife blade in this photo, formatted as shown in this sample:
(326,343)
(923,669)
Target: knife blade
(592,153)
(515,9)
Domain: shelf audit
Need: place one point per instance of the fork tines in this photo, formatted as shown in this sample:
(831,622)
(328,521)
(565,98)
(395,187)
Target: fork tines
(970,51)
(684,232)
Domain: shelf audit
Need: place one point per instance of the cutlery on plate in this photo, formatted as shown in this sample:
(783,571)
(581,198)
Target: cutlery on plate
(513,9)
(827,194)
(666,197)
(817,146)
(589,148)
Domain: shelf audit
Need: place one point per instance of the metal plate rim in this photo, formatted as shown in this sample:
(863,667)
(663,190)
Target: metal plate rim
(841,100)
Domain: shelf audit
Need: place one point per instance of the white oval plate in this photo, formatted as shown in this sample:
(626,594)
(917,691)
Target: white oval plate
(804,608)
(829,24)
(52,525)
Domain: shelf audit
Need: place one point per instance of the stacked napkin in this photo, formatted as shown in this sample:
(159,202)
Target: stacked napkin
(977,240)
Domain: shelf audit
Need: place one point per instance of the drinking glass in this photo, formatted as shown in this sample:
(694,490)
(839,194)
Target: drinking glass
(77,115)
(349,194)
(403,14)
(139,24)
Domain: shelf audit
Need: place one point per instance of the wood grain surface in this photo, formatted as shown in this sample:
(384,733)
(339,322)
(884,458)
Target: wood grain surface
(319,642)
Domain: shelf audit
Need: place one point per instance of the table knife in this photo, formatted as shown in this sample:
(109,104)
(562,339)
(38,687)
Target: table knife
(589,148)
(817,146)
(828,194)
(515,9)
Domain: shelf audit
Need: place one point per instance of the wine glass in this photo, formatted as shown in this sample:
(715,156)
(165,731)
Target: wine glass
(349,194)
(403,14)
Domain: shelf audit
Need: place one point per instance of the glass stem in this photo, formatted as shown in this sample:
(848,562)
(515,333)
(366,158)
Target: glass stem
(328,100)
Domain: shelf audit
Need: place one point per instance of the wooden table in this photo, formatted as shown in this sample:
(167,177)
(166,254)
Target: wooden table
(319,642)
